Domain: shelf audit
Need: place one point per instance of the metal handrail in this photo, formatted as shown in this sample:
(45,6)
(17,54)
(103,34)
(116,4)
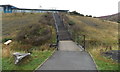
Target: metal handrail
(56,27)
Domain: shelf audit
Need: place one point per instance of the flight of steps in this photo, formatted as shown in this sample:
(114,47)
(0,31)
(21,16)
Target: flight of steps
(63,34)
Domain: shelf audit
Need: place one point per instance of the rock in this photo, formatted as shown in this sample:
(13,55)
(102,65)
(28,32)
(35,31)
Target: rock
(8,42)
(114,54)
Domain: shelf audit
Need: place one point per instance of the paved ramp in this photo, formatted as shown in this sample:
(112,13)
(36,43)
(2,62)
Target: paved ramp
(69,60)
(69,57)
(68,46)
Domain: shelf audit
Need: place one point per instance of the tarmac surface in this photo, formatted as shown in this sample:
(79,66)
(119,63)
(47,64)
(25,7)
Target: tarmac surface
(68,46)
(69,57)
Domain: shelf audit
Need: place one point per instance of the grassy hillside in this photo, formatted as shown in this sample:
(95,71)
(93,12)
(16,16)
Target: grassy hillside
(14,23)
(100,35)
(114,17)
(29,33)
(102,32)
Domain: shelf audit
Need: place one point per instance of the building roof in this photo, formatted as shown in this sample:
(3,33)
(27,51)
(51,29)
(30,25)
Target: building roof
(13,7)
(8,5)
(42,9)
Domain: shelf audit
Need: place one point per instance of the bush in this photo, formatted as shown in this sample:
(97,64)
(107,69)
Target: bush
(20,47)
(71,23)
(88,15)
(81,15)
(118,21)
(76,13)
(34,34)
(47,19)
(6,39)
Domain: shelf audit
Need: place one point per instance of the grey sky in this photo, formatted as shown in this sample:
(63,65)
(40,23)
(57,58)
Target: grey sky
(87,7)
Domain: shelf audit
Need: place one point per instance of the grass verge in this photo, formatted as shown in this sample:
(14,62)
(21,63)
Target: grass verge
(102,62)
(37,57)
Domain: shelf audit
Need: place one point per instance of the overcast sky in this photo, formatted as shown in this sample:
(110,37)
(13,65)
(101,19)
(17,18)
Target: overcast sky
(87,7)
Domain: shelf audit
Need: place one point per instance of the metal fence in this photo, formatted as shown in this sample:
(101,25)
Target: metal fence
(79,39)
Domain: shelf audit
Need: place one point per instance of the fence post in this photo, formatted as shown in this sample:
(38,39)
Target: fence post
(84,41)
(57,41)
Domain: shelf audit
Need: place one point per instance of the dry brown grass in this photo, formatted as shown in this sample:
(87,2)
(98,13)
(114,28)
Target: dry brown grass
(14,23)
(95,29)
(6,51)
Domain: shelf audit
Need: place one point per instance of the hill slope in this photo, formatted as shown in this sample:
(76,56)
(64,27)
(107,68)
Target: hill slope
(95,29)
(100,36)
(114,17)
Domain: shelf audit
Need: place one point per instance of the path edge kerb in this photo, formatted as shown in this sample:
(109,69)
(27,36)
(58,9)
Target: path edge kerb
(45,60)
(93,61)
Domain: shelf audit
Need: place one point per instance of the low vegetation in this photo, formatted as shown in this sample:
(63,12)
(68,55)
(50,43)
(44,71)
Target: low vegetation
(34,34)
(29,33)
(100,36)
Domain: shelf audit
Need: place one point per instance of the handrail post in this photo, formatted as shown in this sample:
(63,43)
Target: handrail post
(57,41)
(84,42)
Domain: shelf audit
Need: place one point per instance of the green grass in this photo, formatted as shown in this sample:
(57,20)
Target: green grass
(0,56)
(102,65)
(37,57)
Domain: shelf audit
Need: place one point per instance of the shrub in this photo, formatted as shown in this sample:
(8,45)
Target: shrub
(118,21)
(6,39)
(47,19)
(76,13)
(88,15)
(71,23)
(81,15)
(20,47)
(34,34)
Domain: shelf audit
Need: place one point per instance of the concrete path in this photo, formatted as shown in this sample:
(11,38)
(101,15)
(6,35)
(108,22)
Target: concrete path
(68,46)
(69,57)
(69,60)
